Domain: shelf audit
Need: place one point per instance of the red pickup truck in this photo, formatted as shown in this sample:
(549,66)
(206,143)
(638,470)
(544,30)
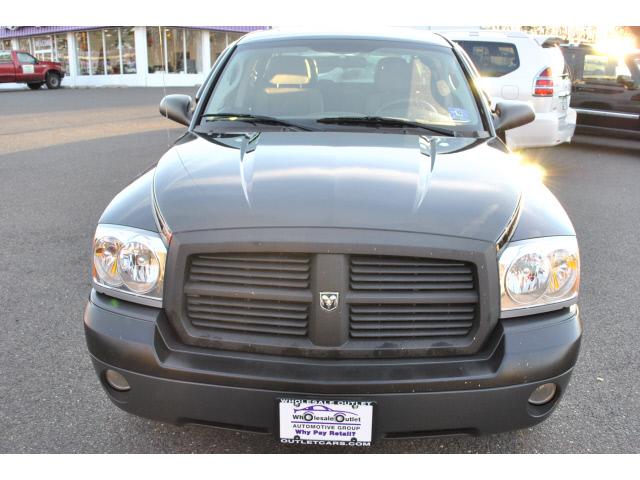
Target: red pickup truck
(21,67)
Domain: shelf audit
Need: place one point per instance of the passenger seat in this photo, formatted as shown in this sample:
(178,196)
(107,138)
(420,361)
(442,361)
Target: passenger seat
(290,88)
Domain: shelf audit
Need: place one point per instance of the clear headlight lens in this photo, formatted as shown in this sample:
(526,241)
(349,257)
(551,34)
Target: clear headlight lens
(541,273)
(129,263)
(105,260)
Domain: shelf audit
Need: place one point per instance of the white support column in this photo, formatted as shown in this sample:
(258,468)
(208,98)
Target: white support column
(73,58)
(142,62)
(206,54)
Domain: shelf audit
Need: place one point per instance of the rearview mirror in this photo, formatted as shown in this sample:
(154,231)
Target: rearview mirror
(177,107)
(509,115)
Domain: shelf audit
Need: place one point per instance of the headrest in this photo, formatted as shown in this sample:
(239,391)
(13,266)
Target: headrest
(392,73)
(286,70)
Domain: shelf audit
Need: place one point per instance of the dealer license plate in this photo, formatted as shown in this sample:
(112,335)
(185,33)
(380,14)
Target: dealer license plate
(326,422)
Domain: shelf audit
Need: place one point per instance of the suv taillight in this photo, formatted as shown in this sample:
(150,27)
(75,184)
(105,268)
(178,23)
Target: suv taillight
(543,84)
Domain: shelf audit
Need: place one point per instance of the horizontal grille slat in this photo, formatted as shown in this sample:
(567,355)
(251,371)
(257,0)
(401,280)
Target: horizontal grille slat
(409,269)
(412,278)
(413,261)
(258,282)
(240,321)
(250,328)
(386,286)
(398,309)
(413,274)
(254,304)
(257,257)
(260,270)
(408,326)
(251,273)
(413,334)
(254,266)
(248,315)
(399,317)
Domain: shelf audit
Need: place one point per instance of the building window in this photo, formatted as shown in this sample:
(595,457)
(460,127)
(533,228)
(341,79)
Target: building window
(82,53)
(155,50)
(110,51)
(174,50)
(174,41)
(193,56)
(61,51)
(24,44)
(218,41)
(43,47)
(128,44)
(5,45)
(96,52)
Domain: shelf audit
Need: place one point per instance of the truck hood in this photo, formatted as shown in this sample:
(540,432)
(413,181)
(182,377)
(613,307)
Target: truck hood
(443,186)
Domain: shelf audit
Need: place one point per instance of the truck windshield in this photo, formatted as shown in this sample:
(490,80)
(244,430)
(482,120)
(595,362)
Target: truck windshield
(311,82)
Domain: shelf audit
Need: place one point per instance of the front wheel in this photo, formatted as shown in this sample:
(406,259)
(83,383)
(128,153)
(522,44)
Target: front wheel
(52,80)
(35,86)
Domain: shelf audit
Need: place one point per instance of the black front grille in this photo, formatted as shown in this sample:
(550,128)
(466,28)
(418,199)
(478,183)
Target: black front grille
(411,320)
(387,273)
(449,312)
(389,305)
(247,315)
(226,285)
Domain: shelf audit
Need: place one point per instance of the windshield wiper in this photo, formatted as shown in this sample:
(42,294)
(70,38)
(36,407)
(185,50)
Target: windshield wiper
(386,122)
(254,120)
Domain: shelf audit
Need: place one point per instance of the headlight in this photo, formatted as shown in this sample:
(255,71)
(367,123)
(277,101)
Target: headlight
(539,275)
(128,263)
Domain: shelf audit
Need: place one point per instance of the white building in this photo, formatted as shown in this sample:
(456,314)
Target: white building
(131,56)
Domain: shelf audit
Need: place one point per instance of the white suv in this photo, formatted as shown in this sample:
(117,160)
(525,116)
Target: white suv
(517,66)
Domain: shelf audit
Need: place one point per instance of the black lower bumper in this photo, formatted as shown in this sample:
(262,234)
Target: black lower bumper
(413,397)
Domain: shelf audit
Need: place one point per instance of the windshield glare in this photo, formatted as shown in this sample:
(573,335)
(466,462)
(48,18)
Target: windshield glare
(319,79)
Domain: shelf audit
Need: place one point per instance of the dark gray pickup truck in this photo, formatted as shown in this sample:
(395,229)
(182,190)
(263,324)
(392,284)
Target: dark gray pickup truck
(339,249)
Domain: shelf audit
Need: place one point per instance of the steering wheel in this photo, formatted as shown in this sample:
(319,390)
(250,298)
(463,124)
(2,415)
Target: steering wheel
(416,102)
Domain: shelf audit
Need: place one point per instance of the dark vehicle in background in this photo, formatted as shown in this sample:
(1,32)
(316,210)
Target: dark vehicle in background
(605,91)
(340,225)
(22,67)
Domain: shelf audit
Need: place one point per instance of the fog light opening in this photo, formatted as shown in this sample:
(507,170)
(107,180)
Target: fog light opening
(543,394)
(116,381)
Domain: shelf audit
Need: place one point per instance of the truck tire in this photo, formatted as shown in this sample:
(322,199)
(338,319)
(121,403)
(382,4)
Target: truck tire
(52,80)
(35,86)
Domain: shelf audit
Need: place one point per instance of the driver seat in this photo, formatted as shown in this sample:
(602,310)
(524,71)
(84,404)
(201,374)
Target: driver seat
(392,83)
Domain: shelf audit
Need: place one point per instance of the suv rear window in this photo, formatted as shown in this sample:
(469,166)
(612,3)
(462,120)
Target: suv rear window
(492,59)
(5,57)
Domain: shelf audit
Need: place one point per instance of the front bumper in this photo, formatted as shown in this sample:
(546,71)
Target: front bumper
(413,397)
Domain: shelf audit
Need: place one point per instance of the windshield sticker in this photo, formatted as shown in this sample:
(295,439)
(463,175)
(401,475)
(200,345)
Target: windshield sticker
(458,114)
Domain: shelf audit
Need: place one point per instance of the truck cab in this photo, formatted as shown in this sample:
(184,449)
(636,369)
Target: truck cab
(22,67)
(605,91)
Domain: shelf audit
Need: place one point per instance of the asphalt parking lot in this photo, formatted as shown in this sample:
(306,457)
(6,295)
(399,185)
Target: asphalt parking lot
(64,154)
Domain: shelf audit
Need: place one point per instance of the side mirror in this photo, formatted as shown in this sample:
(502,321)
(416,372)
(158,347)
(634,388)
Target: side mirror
(509,115)
(177,107)
(626,81)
